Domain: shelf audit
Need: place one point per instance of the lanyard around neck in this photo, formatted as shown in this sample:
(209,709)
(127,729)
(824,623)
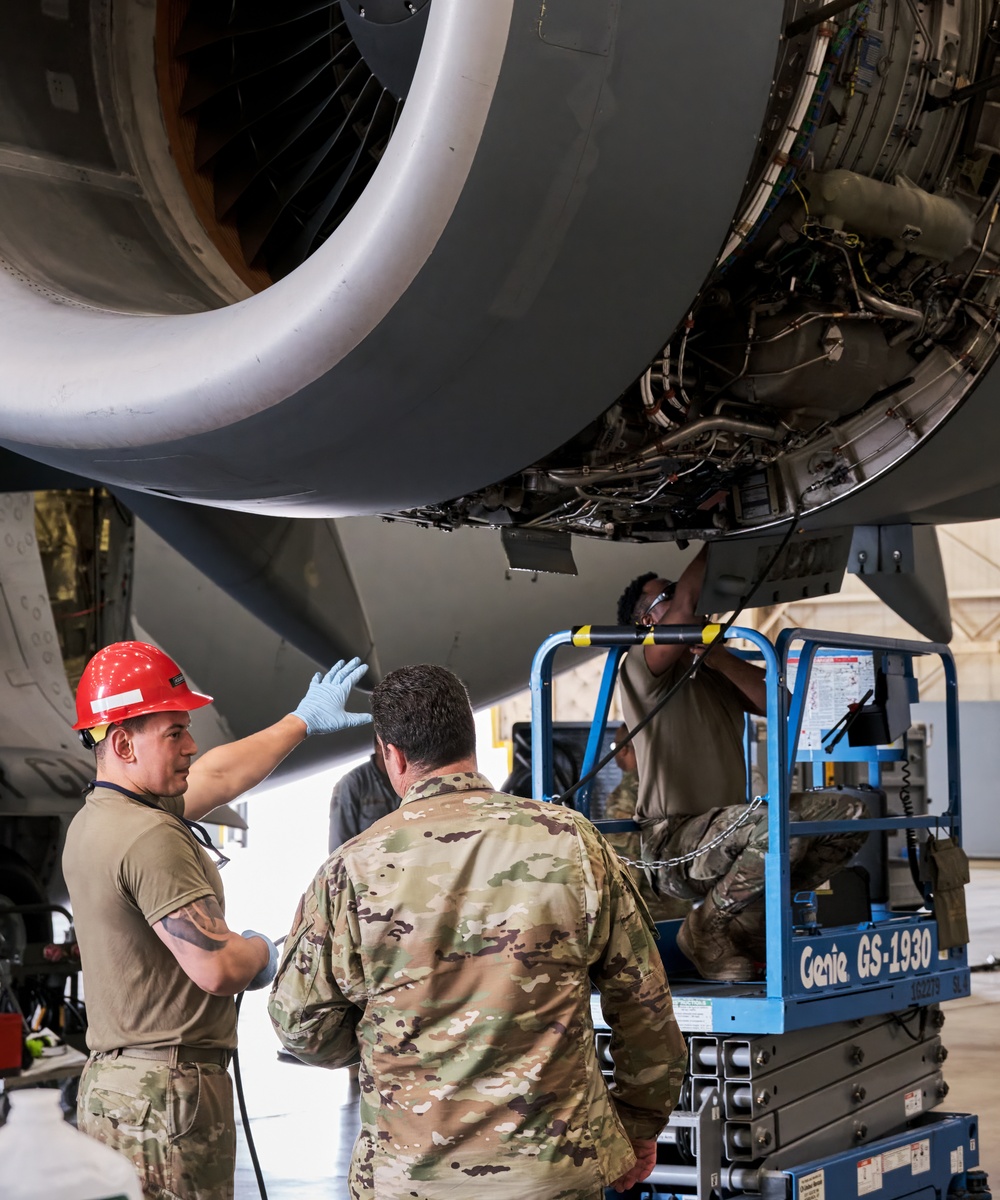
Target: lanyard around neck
(198,832)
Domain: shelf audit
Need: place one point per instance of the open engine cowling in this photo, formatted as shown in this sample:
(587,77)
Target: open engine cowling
(633,270)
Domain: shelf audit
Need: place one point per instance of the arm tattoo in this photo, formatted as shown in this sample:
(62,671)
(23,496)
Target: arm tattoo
(201,923)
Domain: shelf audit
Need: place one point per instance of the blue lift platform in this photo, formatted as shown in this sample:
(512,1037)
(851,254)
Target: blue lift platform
(846,1021)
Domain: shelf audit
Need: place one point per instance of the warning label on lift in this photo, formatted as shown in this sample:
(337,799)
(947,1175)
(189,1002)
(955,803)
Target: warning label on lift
(920,1157)
(870,1175)
(693,1016)
(813,1187)
(871,1171)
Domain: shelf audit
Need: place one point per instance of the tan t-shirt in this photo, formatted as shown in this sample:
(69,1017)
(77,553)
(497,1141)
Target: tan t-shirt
(690,756)
(128,866)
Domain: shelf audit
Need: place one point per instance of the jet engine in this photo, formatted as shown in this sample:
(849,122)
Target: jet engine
(631,270)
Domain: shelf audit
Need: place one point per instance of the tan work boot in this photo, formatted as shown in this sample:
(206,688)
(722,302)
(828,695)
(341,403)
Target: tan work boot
(749,930)
(707,938)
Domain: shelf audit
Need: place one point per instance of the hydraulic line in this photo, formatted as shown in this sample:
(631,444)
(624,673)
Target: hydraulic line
(807,87)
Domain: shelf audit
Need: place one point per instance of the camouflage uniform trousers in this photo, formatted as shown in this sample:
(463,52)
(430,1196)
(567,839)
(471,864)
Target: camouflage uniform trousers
(733,871)
(620,806)
(173,1121)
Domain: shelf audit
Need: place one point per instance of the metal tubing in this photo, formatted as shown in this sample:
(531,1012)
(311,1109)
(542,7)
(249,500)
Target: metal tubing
(541,714)
(597,726)
(673,1176)
(740,1057)
(898,312)
(818,828)
(740,1135)
(580,476)
(747,1179)
(707,1056)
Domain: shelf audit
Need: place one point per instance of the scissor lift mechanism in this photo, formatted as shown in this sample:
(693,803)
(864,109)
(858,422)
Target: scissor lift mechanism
(778,1072)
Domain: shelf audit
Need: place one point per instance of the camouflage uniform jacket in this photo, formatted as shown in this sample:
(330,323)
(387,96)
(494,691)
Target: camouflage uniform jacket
(454,944)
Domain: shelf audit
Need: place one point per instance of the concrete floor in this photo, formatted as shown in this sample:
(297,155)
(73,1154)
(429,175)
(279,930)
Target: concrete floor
(305,1119)
(972,1027)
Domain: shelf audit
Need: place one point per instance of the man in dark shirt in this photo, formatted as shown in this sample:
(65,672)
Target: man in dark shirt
(360,799)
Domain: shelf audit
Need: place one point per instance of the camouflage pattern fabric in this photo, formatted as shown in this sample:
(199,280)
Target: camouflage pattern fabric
(452,946)
(620,806)
(734,870)
(175,1123)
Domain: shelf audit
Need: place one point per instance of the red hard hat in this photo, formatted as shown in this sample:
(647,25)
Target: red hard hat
(130,679)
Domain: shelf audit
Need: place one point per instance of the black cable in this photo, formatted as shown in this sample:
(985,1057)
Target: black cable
(719,639)
(901,1022)
(912,841)
(244,1117)
(811,20)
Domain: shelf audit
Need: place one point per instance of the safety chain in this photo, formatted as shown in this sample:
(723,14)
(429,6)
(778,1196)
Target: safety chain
(685,858)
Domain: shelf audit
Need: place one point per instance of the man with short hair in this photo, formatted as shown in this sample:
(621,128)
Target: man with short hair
(160,963)
(359,799)
(693,785)
(453,946)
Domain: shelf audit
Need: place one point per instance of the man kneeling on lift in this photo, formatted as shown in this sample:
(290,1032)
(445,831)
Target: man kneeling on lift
(693,785)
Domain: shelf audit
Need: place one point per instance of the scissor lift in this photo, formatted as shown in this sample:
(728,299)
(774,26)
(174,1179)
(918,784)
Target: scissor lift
(819,1082)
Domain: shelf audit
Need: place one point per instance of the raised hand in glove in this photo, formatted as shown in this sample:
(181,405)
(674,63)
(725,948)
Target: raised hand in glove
(322,707)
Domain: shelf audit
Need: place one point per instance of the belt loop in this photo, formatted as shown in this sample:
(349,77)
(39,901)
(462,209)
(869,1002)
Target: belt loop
(173,1059)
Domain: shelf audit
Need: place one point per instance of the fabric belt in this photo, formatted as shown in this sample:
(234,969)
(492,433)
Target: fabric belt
(170,1054)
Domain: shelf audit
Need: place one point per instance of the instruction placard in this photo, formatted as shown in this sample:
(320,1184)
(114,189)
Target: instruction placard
(693,1016)
(835,682)
(892,1160)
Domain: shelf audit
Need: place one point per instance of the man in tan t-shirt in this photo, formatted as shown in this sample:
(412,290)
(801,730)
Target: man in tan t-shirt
(160,964)
(693,786)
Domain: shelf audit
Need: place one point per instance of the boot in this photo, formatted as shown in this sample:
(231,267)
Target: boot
(750,931)
(708,939)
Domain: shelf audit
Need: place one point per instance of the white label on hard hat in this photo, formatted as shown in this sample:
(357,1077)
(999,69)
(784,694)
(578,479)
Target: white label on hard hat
(119,701)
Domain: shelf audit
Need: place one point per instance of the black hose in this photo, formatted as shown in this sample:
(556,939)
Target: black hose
(244,1117)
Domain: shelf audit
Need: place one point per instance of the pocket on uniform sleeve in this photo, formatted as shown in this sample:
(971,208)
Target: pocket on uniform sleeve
(122,1109)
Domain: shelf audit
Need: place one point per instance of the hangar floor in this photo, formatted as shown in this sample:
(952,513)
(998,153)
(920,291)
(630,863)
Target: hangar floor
(305,1120)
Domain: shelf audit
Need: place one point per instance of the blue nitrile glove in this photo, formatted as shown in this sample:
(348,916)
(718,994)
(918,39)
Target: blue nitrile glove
(268,972)
(322,707)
